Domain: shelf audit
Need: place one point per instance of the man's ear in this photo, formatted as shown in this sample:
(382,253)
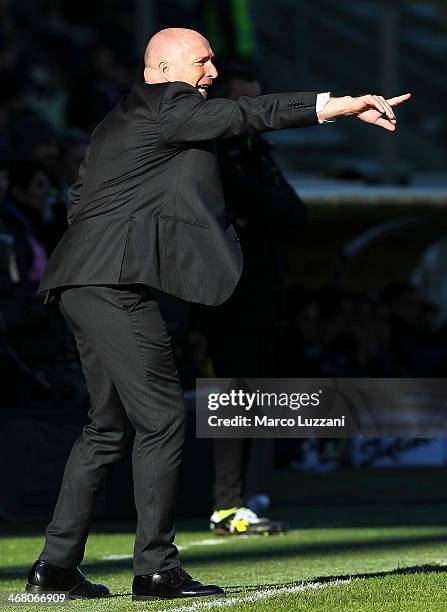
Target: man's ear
(163,67)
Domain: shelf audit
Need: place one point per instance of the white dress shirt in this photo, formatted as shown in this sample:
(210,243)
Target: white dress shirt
(322,100)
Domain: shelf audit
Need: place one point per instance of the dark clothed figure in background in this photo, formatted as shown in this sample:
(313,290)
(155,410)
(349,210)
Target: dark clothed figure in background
(244,333)
(23,213)
(34,139)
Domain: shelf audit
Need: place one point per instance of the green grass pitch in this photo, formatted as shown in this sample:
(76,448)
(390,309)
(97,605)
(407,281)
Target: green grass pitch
(371,555)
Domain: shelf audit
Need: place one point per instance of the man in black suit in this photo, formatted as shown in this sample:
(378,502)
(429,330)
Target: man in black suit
(147,214)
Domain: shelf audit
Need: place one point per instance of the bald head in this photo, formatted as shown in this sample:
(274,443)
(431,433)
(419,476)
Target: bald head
(170,44)
(179,54)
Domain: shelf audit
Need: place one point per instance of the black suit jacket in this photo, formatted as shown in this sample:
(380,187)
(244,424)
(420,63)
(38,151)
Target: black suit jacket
(148,206)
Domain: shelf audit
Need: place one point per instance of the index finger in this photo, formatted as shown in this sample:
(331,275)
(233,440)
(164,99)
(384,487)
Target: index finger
(398,99)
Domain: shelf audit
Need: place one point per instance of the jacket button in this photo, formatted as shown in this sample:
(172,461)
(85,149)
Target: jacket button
(236,238)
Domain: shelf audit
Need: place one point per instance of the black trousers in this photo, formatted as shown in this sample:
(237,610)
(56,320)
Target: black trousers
(129,368)
(235,354)
(231,457)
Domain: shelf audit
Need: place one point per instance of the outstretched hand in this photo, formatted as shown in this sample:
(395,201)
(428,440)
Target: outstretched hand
(376,110)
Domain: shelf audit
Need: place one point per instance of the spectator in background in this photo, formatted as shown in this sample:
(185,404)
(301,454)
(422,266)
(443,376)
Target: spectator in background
(9,272)
(72,145)
(36,139)
(59,155)
(23,214)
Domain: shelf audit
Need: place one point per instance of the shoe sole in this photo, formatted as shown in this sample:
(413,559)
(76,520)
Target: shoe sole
(38,590)
(225,533)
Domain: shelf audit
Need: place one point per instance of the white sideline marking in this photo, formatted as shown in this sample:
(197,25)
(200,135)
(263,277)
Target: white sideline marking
(122,557)
(228,602)
(207,542)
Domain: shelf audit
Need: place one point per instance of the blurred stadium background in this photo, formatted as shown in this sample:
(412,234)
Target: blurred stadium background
(362,288)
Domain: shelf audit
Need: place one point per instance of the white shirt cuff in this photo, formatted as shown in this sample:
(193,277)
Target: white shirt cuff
(322,100)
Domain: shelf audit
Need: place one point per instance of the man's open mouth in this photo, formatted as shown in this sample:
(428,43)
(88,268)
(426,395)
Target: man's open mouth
(203,89)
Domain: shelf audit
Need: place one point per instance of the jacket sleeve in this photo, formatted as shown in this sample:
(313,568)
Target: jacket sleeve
(74,193)
(185,115)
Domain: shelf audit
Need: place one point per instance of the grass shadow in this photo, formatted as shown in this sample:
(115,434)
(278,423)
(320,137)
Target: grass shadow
(415,569)
(233,590)
(276,551)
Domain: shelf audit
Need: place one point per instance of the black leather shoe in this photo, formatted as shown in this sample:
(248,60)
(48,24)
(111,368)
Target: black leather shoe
(170,584)
(47,578)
